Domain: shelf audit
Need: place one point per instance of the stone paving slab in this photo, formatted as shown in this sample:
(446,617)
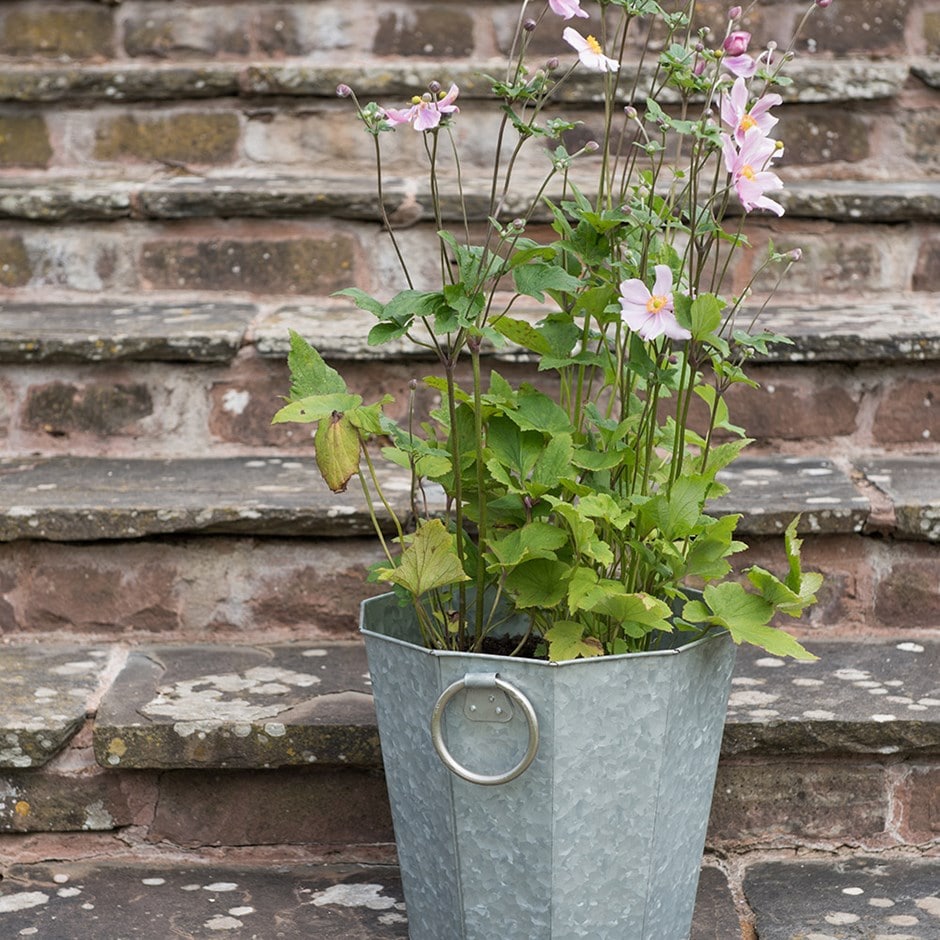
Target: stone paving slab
(88,901)
(81,498)
(354,198)
(913,486)
(85,901)
(866,697)
(881,329)
(46,695)
(249,707)
(770,492)
(244,707)
(108,332)
(861,79)
(861,899)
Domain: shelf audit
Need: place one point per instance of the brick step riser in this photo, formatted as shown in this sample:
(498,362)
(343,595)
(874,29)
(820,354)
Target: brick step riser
(261,258)
(210,589)
(775,803)
(858,139)
(139,409)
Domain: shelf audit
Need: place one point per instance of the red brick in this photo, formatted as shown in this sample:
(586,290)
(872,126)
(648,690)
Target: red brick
(316,264)
(920,794)
(99,408)
(870,26)
(195,137)
(909,411)
(51,32)
(908,592)
(304,807)
(792,803)
(425,31)
(927,271)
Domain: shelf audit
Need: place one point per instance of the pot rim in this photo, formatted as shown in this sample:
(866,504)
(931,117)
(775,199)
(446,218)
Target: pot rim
(494,658)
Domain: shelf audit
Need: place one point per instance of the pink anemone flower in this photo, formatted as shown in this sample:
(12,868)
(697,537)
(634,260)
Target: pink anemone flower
(749,174)
(566,9)
(425,112)
(741,121)
(651,313)
(589,51)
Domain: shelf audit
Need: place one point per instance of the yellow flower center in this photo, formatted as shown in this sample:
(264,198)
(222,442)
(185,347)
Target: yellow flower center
(747,122)
(594,45)
(747,171)
(656,303)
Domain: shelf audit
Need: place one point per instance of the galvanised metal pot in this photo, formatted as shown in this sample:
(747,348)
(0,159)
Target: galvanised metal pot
(547,801)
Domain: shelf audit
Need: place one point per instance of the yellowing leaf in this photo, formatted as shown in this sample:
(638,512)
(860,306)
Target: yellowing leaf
(430,561)
(337,447)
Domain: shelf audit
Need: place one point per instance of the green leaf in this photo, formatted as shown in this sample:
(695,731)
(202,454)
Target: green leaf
(533,279)
(566,640)
(746,617)
(533,540)
(362,300)
(315,408)
(523,334)
(430,561)
(337,448)
(705,315)
(309,374)
(676,512)
(709,550)
(538,583)
(537,412)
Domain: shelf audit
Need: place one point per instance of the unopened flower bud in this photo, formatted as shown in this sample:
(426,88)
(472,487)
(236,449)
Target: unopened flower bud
(413,384)
(552,64)
(343,91)
(737,42)
(734,13)
(630,112)
(795,254)
(434,87)
(823,3)
(518,224)
(529,25)
(771,46)
(592,146)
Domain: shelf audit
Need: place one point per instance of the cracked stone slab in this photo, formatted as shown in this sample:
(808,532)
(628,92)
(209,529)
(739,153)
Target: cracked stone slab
(879,698)
(46,694)
(134,899)
(772,491)
(77,498)
(911,483)
(839,899)
(239,707)
(104,333)
(337,902)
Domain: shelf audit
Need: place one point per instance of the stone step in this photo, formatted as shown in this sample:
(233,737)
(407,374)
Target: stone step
(256,195)
(835,759)
(73,499)
(783,900)
(858,118)
(160,379)
(104,547)
(134,897)
(312,257)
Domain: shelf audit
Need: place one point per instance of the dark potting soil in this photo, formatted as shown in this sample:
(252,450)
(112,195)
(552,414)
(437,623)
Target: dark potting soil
(507,645)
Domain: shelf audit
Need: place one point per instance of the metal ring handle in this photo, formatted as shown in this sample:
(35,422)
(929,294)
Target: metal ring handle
(485,680)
